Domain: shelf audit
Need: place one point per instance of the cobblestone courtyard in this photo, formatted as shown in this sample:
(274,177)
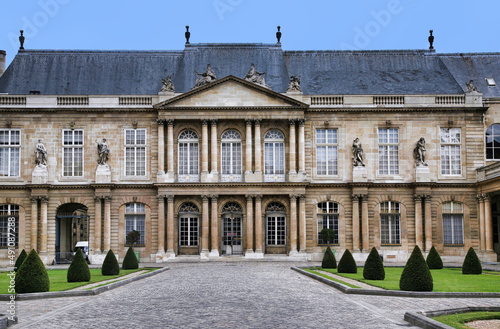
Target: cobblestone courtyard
(229,295)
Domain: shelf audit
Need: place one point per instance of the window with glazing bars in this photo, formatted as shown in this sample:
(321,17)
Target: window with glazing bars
(10,153)
(453,218)
(274,153)
(135,152)
(188,231)
(450,151)
(388,151)
(135,219)
(73,153)
(188,153)
(390,219)
(326,152)
(276,230)
(231,153)
(328,217)
(9,214)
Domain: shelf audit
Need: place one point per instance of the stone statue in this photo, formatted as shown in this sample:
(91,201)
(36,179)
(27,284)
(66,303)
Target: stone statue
(103,152)
(357,150)
(167,84)
(471,87)
(40,154)
(419,152)
(431,40)
(294,84)
(205,77)
(255,76)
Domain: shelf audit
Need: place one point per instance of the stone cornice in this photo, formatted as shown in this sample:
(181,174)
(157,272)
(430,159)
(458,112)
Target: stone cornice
(389,108)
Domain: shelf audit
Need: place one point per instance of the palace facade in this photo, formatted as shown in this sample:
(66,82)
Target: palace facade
(252,156)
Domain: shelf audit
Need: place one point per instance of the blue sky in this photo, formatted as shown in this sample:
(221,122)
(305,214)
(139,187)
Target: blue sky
(459,25)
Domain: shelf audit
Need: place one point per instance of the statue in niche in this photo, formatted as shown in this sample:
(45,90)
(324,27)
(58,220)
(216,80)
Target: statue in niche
(205,77)
(40,154)
(471,87)
(419,152)
(294,84)
(103,152)
(255,76)
(167,84)
(357,150)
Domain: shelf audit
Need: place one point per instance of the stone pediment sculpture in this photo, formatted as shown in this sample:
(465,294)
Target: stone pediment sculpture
(204,78)
(470,87)
(294,84)
(167,85)
(41,154)
(103,152)
(256,77)
(358,153)
(419,152)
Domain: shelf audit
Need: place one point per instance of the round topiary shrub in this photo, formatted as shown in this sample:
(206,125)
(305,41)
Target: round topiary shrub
(110,265)
(347,264)
(416,275)
(329,260)
(78,271)
(471,264)
(434,261)
(130,261)
(20,260)
(32,275)
(374,268)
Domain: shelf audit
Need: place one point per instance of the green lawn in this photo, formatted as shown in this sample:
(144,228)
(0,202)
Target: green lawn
(58,279)
(459,320)
(445,280)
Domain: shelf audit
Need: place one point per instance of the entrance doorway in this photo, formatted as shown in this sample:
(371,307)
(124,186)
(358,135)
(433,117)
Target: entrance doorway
(189,228)
(232,242)
(276,242)
(71,227)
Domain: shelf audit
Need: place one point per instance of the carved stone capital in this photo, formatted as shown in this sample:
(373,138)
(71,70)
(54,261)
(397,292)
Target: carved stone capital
(248,122)
(160,122)
(292,122)
(170,198)
(293,197)
(34,199)
(418,198)
(480,197)
(160,198)
(258,198)
(355,197)
(364,198)
(107,199)
(257,122)
(97,199)
(213,122)
(301,122)
(214,197)
(204,122)
(249,197)
(302,197)
(428,198)
(204,198)
(170,122)
(44,199)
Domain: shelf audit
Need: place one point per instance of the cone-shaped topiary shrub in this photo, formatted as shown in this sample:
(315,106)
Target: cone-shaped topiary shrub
(110,265)
(130,261)
(416,275)
(434,261)
(347,264)
(329,260)
(471,264)
(20,260)
(32,275)
(374,268)
(78,271)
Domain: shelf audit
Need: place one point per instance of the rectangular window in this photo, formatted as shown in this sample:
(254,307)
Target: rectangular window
(450,151)
(9,214)
(276,230)
(135,219)
(390,218)
(135,152)
(10,153)
(72,153)
(328,217)
(388,151)
(326,152)
(453,232)
(188,231)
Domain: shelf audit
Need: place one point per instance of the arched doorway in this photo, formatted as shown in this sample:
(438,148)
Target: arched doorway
(71,227)
(189,229)
(276,228)
(232,243)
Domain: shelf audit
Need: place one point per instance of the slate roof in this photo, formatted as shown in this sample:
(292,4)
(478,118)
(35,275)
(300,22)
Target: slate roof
(81,72)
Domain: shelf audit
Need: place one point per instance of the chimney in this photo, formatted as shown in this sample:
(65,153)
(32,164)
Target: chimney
(2,61)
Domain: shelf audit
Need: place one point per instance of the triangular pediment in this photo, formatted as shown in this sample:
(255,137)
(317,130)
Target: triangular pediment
(231,92)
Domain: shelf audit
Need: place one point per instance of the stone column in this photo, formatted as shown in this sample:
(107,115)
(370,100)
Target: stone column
(170,226)
(97,224)
(428,223)
(258,148)
(248,148)
(365,223)
(214,252)
(204,227)
(161,147)
(161,224)
(418,221)
(293,225)
(34,223)
(43,219)
(302,149)
(302,223)
(107,223)
(488,224)
(170,149)
(204,147)
(215,158)
(258,225)
(355,223)
(480,199)
(249,224)
(293,168)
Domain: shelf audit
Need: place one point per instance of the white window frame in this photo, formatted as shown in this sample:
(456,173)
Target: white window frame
(390,148)
(133,213)
(10,147)
(8,211)
(455,212)
(446,167)
(192,241)
(495,132)
(192,175)
(274,143)
(393,216)
(73,147)
(331,151)
(232,144)
(135,146)
(331,210)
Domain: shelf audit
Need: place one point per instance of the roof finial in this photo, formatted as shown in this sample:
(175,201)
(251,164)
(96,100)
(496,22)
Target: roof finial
(187,34)
(278,34)
(21,40)
(431,40)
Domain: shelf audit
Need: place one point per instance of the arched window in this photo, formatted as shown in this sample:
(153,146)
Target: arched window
(453,223)
(275,224)
(493,142)
(188,157)
(231,156)
(328,217)
(390,219)
(274,156)
(189,215)
(135,220)
(9,216)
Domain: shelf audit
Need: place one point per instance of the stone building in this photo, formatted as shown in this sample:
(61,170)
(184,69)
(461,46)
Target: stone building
(390,149)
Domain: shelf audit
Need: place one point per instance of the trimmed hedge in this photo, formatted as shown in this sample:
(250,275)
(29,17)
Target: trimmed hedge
(32,275)
(347,264)
(416,275)
(374,268)
(329,260)
(472,264)
(434,261)
(78,271)
(110,265)
(20,260)
(130,261)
